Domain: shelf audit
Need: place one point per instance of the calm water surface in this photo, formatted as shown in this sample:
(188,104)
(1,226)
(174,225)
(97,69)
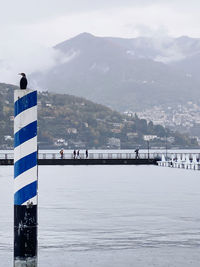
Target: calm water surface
(106,216)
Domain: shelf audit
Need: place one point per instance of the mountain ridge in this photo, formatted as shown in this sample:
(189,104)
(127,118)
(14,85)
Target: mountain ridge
(124,73)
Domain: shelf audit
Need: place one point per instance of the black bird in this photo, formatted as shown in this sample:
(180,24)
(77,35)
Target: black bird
(23,81)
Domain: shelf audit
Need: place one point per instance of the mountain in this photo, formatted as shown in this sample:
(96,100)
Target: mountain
(73,122)
(190,65)
(125,73)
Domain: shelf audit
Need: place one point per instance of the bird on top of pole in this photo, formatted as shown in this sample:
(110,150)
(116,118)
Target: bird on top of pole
(23,81)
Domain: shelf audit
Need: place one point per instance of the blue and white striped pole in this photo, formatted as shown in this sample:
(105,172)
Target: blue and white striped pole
(25,178)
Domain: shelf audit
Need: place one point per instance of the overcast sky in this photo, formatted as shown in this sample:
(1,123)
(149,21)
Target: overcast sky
(28,27)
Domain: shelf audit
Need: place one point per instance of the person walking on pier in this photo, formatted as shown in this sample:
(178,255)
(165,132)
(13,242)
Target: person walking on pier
(61,153)
(74,154)
(78,154)
(86,153)
(137,153)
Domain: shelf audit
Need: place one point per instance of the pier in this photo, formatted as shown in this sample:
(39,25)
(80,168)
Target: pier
(106,158)
(92,159)
(176,160)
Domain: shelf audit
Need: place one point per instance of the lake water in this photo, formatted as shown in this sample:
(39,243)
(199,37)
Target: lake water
(110,216)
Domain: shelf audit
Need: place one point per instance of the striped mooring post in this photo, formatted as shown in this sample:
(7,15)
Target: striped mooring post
(25,178)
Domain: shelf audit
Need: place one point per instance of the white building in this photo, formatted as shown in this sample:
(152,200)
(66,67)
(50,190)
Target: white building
(114,142)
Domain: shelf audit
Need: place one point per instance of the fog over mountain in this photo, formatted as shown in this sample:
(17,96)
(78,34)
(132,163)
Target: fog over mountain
(125,73)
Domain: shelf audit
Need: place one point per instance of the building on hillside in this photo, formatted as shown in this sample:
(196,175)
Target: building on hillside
(149,137)
(132,135)
(11,118)
(116,131)
(117,125)
(61,142)
(114,143)
(77,144)
(129,113)
(72,131)
(48,105)
(169,139)
(8,138)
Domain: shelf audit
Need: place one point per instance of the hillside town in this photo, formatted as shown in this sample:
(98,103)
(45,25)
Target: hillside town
(76,123)
(183,118)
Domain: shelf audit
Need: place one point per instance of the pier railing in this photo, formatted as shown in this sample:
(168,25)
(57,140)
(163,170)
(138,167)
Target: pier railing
(107,155)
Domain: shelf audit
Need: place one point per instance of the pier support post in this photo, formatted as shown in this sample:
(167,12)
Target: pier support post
(25,178)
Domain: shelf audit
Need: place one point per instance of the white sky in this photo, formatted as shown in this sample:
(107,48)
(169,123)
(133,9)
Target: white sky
(28,27)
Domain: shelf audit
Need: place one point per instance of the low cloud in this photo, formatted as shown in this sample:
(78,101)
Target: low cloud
(28,58)
(152,32)
(28,31)
(159,39)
